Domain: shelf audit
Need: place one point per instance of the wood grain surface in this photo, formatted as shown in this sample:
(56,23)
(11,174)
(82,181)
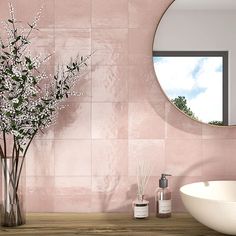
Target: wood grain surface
(180,224)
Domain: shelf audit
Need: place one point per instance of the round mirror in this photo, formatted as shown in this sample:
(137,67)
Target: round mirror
(194,56)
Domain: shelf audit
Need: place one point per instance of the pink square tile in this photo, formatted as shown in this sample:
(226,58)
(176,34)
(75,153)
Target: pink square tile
(64,56)
(219,132)
(179,125)
(72,194)
(110,84)
(73,39)
(140,41)
(177,205)
(74,121)
(70,43)
(176,182)
(73,14)
(146,120)
(40,158)
(73,158)
(149,151)
(73,185)
(73,203)
(218,158)
(4,10)
(142,13)
(40,194)
(184,157)
(109,120)
(110,194)
(140,46)
(143,84)
(26,10)
(110,46)
(109,157)
(45,134)
(112,13)
(43,42)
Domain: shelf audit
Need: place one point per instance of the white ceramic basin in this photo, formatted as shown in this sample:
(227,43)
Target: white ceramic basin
(213,203)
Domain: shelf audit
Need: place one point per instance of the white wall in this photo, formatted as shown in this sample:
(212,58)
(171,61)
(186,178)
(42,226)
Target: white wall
(205,30)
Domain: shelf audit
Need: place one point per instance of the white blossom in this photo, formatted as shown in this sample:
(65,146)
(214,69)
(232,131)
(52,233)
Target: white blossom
(25,106)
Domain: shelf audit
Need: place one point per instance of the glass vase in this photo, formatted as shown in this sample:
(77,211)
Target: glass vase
(13,191)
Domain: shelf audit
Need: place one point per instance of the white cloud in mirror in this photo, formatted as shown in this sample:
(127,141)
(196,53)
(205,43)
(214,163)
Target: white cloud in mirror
(198,79)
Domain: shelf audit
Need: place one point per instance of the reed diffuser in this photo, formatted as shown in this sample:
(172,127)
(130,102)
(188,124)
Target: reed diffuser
(140,205)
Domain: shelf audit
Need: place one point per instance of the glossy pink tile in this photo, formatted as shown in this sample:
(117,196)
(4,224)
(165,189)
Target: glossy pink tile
(177,205)
(109,14)
(72,158)
(69,185)
(109,157)
(43,42)
(110,46)
(73,14)
(4,9)
(140,46)
(110,194)
(72,194)
(176,182)
(45,134)
(184,157)
(74,121)
(40,158)
(40,194)
(73,203)
(146,120)
(150,151)
(179,125)
(109,120)
(110,84)
(73,39)
(70,43)
(218,157)
(218,132)
(26,10)
(146,13)
(143,84)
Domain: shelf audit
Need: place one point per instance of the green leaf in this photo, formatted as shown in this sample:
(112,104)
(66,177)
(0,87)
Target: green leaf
(28,60)
(18,38)
(24,77)
(16,78)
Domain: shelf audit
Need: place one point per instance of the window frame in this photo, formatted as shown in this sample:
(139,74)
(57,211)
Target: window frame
(223,54)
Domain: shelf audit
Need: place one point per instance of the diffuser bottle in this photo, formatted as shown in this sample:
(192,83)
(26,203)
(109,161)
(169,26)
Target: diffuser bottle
(141,207)
(163,198)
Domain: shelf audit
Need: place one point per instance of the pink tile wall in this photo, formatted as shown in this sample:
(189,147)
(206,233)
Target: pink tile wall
(87,161)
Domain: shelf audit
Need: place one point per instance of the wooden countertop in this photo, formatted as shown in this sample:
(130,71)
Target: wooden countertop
(67,224)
